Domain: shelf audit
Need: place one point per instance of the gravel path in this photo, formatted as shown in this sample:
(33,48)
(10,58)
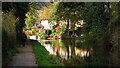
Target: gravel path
(24,57)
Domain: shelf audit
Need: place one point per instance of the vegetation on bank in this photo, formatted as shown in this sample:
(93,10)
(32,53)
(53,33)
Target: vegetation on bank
(40,34)
(42,56)
(9,42)
(12,24)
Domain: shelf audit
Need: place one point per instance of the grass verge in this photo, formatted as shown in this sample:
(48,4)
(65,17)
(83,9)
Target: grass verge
(42,56)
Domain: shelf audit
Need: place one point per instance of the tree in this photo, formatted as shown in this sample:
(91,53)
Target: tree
(19,9)
(113,24)
(96,18)
(68,11)
(31,15)
(13,16)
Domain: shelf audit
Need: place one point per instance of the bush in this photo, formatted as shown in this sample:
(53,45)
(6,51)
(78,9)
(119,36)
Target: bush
(9,42)
(35,32)
(60,32)
(55,34)
(48,32)
(43,35)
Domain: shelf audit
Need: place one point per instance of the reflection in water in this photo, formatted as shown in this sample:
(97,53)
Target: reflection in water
(93,54)
(82,52)
(57,47)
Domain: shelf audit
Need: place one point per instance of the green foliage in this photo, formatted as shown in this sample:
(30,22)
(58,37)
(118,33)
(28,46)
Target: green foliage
(31,15)
(62,29)
(48,32)
(53,30)
(76,28)
(66,10)
(114,23)
(9,42)
(42,56)
(8,28)
(30,20)
(35,32)
(43,35)
(19,9)
(55,34)
(102,20)
(60,32)
(96,19)
(97,12)
(13,22)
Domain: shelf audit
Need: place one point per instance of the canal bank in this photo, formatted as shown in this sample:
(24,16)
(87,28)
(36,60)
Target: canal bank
(73,53)
(43,58)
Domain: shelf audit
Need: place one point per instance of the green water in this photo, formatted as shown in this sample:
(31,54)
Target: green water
(76,54)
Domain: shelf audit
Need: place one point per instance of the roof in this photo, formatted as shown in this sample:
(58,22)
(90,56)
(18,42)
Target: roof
(58,27)
(34,27)
(46,18)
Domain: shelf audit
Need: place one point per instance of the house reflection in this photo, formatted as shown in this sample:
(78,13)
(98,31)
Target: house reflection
(82,53)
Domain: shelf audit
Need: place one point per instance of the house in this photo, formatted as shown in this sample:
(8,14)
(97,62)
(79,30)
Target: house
(46,24)
(80,23)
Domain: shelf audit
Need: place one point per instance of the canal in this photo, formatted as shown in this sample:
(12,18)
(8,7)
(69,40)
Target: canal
(84,55)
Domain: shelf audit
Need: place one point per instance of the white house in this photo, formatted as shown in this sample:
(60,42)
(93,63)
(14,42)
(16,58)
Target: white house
(45,24)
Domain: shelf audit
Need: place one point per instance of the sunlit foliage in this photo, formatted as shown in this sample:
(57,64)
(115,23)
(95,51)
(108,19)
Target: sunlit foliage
(31,15)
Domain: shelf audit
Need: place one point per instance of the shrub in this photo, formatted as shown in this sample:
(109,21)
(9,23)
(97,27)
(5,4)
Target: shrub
(43,35)
(48,32)
(8,36)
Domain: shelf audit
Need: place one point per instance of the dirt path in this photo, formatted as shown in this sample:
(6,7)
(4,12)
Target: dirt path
(24,57)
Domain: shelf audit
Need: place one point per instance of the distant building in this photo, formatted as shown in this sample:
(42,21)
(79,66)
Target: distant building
(80,23)
(45,24)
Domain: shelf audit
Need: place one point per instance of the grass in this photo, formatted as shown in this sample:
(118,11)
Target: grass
(42,56)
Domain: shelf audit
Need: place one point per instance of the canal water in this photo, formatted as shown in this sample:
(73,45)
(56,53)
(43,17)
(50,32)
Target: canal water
(89,55)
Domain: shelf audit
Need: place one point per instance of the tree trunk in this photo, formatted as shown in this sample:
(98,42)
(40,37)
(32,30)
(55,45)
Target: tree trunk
(67,27)
(67,47)
(73,48)
(73,34)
